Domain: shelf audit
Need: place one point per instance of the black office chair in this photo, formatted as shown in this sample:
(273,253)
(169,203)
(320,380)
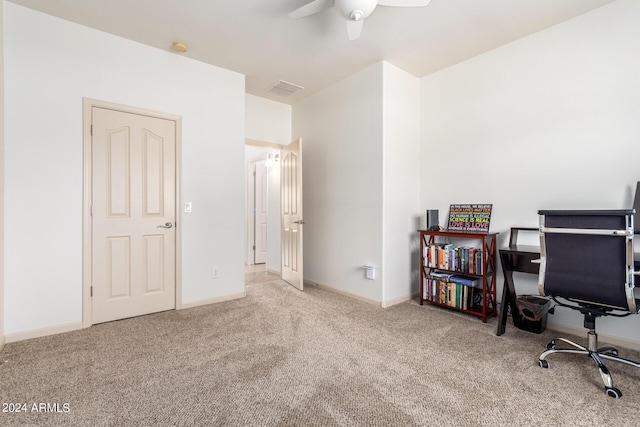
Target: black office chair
(587,262)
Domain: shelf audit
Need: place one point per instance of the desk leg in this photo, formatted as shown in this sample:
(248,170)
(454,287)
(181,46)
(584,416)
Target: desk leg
(508,295)
(502,317)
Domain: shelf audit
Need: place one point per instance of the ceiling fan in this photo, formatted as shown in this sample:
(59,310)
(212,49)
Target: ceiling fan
(354,11)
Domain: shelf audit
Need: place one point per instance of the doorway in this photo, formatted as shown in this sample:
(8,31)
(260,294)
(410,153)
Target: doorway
(284,256)
(262,227)
(130,236)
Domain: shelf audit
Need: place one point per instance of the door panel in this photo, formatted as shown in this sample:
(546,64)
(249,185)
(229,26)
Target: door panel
(117,147)
(153,189)
(261,205)
(291,195)
(134,201)
(154,263)
(118,267)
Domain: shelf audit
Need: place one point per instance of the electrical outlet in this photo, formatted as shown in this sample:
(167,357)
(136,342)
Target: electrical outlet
(370,273)
(216,273)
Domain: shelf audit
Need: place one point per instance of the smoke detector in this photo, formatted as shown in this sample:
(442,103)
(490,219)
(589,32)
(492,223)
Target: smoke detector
(180,47)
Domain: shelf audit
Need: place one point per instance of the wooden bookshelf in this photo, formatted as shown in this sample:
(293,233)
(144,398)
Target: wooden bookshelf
(484,270)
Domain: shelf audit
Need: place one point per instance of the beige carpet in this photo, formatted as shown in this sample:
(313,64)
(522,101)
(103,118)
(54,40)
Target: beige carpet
(280,357)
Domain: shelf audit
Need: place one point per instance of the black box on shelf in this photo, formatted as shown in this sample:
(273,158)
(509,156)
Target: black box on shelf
(432,219)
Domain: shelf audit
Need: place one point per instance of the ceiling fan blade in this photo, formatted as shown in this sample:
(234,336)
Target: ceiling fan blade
(310,8)
(404,3)
(354,28)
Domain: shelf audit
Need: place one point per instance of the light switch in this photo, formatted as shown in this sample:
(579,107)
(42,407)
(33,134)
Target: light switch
(187,207)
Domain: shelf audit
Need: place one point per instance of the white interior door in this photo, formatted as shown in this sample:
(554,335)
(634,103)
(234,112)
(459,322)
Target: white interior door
(261,210)
(133,214)
(251,213)
(291,200)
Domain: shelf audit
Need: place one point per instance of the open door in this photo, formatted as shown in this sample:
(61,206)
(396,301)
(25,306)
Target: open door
(291,224)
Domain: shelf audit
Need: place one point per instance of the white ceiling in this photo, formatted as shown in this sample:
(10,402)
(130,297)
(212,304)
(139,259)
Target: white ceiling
(258,39)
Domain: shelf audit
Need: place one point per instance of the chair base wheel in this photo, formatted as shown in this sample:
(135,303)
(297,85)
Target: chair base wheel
(613,392)
(543,364)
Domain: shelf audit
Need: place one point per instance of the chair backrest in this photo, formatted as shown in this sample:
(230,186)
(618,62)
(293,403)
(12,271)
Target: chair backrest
(636,206)
(587,256)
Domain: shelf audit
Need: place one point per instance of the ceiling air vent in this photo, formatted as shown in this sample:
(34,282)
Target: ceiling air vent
(285,88)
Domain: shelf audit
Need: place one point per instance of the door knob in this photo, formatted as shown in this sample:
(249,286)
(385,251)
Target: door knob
(166,225)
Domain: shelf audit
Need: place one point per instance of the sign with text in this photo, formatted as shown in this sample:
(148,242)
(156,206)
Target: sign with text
(469,218)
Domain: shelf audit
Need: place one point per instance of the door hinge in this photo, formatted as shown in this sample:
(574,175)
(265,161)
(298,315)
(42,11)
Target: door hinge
(91,293)
(91,212)
(254,173)
(91,129)
(254,247)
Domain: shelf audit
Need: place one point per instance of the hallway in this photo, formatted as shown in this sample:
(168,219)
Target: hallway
(258,273)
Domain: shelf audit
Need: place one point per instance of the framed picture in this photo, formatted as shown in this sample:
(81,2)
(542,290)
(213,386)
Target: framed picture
(469,218)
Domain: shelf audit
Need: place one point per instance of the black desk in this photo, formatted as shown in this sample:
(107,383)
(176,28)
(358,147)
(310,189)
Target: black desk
(514,258)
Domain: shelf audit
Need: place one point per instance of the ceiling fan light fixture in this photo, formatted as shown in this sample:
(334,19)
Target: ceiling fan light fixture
(353,11)
(356,10)
(356,15)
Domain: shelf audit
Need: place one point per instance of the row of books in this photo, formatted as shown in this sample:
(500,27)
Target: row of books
(453,290)
(450,257)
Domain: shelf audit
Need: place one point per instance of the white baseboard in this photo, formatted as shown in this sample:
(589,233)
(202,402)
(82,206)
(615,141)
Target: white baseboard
(341,292)
(383,304)
(208,301)
(68,327)
(43,332)
(602,338)
(399,300)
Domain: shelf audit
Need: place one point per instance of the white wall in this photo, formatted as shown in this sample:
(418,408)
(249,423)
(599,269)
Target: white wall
(401,166)
(50,65)
(267,120)
(341,131)
(361,170)
(546,122)
(2,338)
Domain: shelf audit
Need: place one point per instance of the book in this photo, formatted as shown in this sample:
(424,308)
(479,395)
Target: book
(452,294)
(473,282)
(431,260)
(478,262)
(441,275)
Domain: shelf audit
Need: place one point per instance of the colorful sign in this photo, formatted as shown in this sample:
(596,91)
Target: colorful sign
(469,218)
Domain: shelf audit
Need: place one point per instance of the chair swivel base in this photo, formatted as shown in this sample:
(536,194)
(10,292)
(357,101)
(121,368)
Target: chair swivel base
(594,352)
